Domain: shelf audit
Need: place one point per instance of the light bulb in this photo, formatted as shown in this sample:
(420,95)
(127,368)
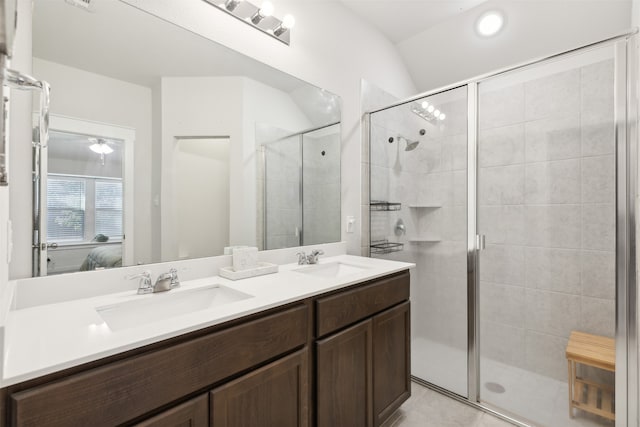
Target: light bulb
(266,9)
(490,23)
(442,116)
(288,21)
(230,5)
(425,104)
(436,113)
(431,108)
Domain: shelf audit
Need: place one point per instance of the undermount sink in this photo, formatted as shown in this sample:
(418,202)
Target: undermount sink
(331,269)
(154,307)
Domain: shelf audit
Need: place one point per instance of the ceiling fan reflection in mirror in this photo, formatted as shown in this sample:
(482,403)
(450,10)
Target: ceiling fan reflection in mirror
(100,146)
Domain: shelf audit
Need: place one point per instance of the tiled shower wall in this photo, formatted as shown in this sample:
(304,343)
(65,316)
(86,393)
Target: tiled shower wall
(321,186)
(430,184)
(546,205)
(283,204)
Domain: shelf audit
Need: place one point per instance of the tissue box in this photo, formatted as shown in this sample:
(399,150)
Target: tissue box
(228,250)
(261,269)
(245,258)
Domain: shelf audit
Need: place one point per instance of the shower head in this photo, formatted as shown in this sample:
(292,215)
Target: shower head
(410,145)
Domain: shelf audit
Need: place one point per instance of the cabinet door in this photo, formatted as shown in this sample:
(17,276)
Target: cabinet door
(391,361)
(194,413)
(344,386)
(274,395)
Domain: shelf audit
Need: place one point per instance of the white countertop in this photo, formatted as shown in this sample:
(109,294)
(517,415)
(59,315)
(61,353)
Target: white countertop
(48,338)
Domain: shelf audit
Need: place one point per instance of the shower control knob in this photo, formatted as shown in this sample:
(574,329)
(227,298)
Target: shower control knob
(390,139)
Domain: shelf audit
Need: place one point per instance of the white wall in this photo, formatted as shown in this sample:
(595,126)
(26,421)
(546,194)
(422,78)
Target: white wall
(222,106)
(451,51)
(198,106)
(87,96)
(334,57)
(20,148)
(201,196)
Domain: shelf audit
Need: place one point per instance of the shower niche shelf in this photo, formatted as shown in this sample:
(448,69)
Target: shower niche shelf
(428,239)
(382,247)
(380,205)
(426,206)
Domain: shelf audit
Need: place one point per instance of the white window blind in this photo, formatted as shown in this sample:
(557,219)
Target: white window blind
(108,208)
(81,207)
(65,209)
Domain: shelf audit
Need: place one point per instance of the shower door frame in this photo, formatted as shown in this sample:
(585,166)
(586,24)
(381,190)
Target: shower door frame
(625,46)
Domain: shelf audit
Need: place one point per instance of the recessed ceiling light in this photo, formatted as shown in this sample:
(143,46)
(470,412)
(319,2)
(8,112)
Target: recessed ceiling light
(490,23)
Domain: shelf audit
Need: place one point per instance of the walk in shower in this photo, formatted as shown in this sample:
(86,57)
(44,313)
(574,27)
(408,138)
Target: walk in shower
(298,187)
(513,194)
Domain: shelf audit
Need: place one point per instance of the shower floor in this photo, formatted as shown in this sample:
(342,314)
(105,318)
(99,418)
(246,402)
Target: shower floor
(540,400)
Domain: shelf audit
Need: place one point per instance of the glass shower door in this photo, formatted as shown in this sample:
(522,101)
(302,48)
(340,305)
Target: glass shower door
(418,213)
(546,206)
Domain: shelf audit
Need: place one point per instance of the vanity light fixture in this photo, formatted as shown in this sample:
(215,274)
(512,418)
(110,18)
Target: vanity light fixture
(230,5)
(427,111)
(260,18)
(265,10)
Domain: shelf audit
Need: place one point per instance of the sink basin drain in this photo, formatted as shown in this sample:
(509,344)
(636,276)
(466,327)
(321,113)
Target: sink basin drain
(494,387)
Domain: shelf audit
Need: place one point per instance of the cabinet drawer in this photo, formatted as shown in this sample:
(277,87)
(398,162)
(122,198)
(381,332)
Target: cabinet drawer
(345,308)
(123,390)
(274,395)
(194,413)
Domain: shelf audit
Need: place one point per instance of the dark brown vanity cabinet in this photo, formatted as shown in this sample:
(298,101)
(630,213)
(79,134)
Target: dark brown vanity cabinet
(339,359)
(193,413)
(275,395)
(363,371)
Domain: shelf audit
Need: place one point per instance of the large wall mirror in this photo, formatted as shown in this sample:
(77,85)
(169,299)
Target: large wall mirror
(167,146)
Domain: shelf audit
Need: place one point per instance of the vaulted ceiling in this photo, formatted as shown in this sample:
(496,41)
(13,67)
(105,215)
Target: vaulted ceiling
(437,41)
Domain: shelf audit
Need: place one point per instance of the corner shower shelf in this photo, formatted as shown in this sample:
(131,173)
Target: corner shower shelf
(379,205)
(426,206)
(430,239)
(382,247)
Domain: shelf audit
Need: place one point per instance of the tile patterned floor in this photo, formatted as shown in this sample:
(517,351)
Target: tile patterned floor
(427,408)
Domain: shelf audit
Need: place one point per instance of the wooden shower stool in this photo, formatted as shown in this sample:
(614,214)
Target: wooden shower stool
(590,396)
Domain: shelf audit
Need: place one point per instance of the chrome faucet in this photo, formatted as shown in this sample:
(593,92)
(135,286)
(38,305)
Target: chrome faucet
(311,258)
(144,286)
(164,282)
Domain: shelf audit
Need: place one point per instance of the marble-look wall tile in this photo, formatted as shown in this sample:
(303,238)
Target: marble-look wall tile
(492,304)
(502,342)
(553,269)
(454,152)
(599,316)
(545,354)
(599,227)
(552,313)
(553,138)
(501,146)
(597,86)
(501,185)
(599,274)
(553,96)
(503,264)
(553,182)
(500,107)
(598,179)
(556,226)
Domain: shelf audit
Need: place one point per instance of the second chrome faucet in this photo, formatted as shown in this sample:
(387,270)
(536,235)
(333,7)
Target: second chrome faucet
(312,258)
(164,282)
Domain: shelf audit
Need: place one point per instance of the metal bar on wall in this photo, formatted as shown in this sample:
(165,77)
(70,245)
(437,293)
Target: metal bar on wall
(633,386)
(623,234)
(473,318)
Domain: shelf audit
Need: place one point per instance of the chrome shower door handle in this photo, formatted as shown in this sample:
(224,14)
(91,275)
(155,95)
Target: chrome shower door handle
(481,243)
